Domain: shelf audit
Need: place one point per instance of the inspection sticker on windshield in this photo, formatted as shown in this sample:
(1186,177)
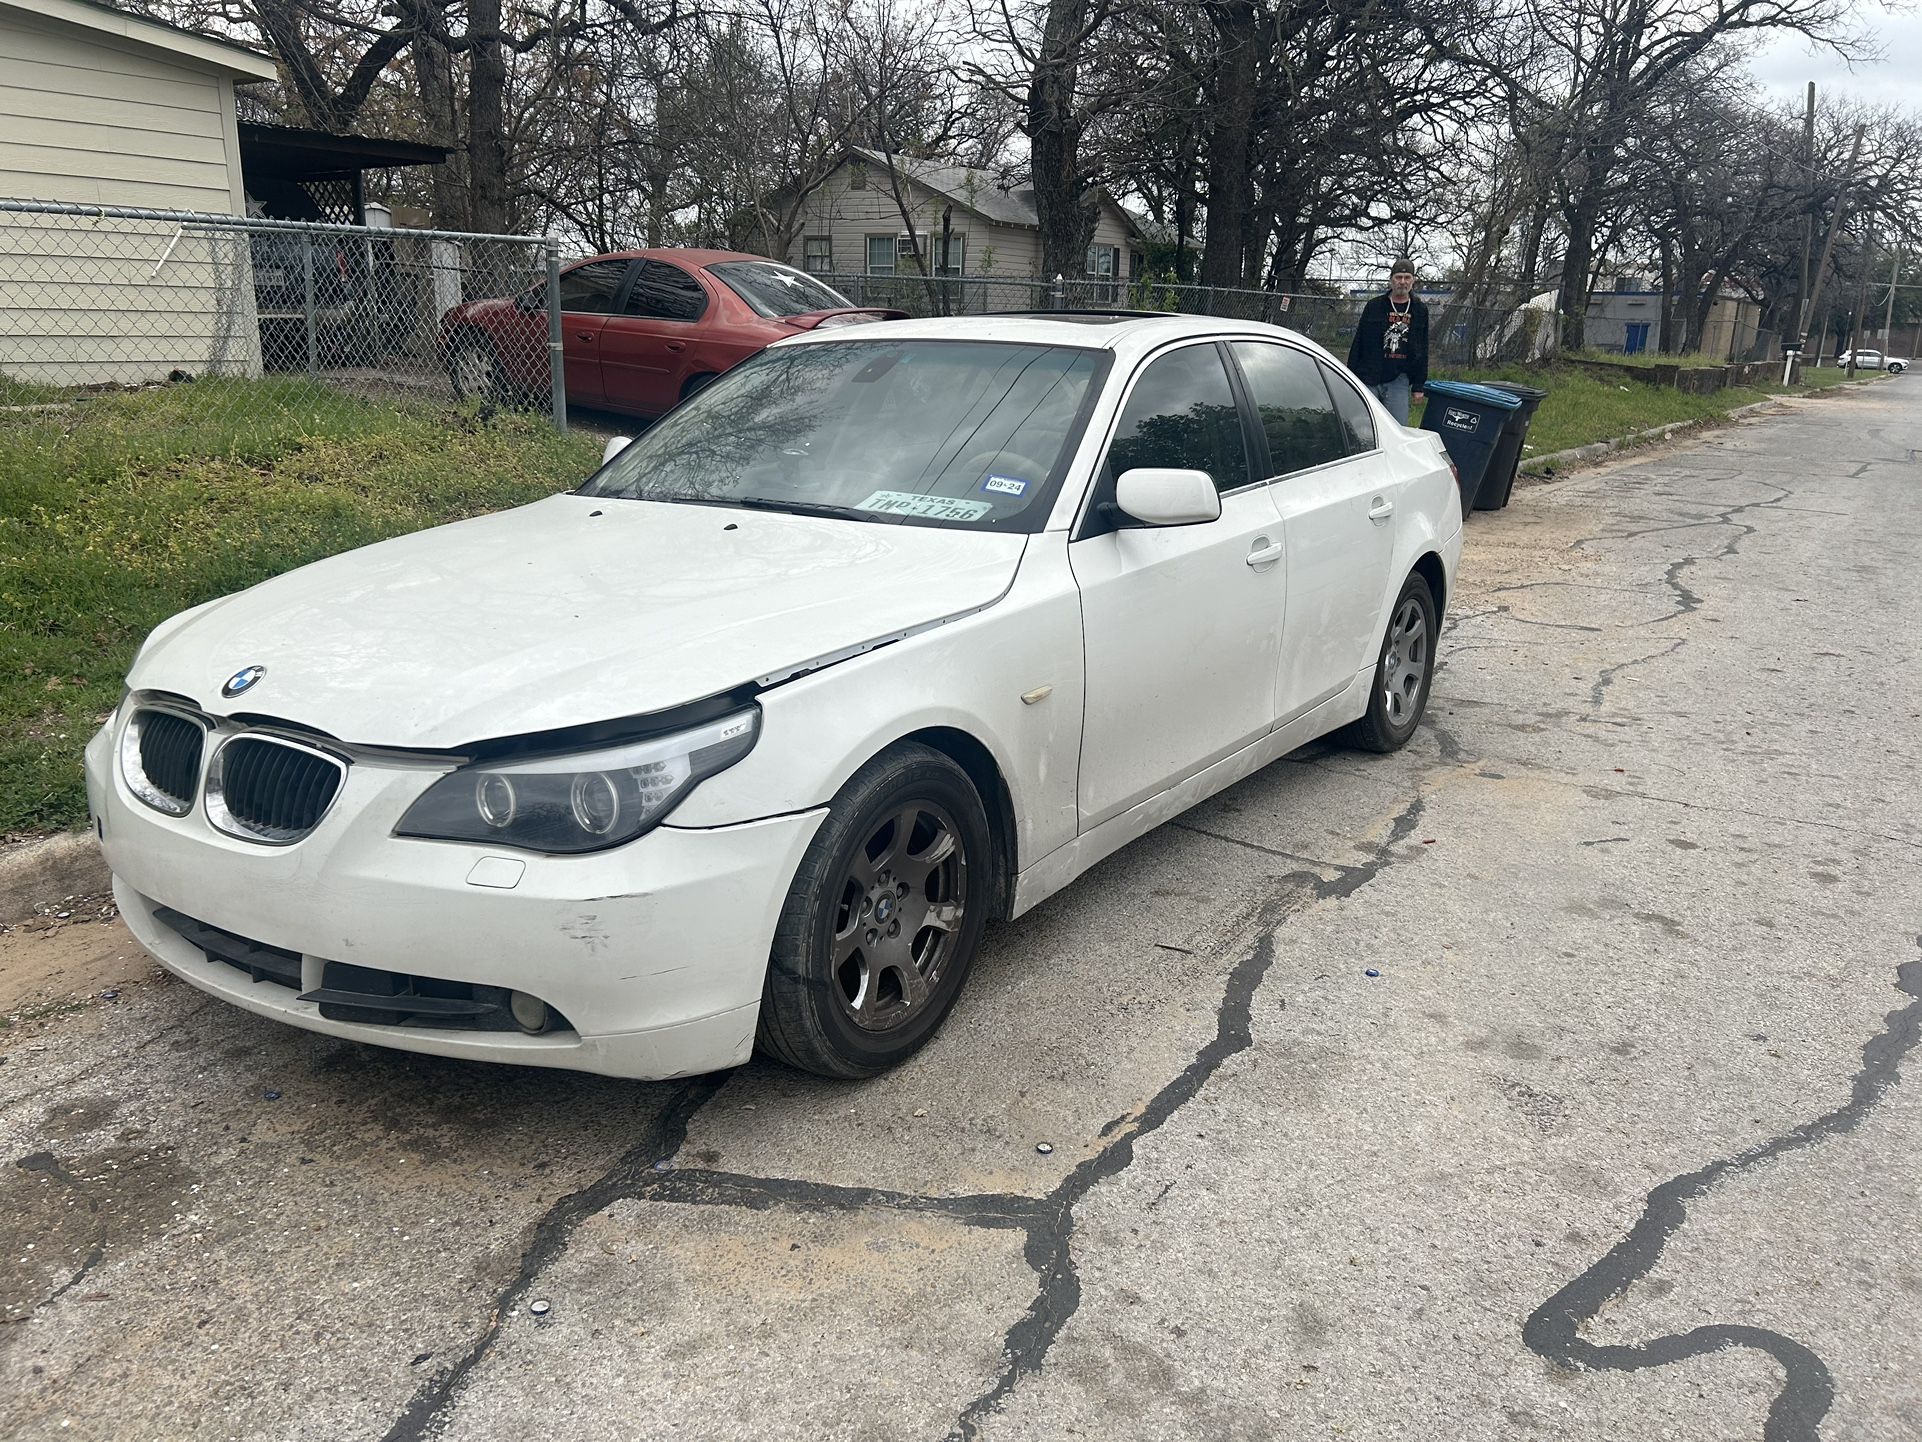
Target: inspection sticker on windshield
(934,508)
(1004,485)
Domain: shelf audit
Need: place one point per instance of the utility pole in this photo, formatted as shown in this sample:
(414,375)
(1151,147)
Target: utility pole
(1895,278)
(1808,219)
(1835,228)
(1862,290)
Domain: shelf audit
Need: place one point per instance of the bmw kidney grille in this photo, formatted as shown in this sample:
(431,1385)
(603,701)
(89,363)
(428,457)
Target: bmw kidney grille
(169,748)
(266,789)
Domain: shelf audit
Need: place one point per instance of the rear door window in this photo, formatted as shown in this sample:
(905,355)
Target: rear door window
(1297,416)
(665,292)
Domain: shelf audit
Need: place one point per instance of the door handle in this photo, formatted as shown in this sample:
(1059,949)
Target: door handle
(1265,553)
(675,345)
(1381,510)
(583,335)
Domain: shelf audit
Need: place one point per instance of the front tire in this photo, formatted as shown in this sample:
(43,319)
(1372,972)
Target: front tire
(883,921)
(1404,671)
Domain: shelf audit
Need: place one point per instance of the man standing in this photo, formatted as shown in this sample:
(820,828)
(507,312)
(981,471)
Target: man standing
(1390,349)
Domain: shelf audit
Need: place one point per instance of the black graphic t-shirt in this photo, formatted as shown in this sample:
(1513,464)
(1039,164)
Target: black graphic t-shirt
(1394,336)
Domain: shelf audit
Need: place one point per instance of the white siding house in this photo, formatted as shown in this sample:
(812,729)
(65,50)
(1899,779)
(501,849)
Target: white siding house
(103,108)
(852,224)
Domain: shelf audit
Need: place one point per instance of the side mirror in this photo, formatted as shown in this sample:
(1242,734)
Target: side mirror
(529,301)
(615,445)
(1157,496)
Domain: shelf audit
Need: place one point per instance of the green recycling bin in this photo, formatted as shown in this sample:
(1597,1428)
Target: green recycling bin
(1506,463)
(1470,419)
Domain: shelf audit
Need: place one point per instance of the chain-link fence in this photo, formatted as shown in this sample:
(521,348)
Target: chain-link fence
(278,314)
(1459,336)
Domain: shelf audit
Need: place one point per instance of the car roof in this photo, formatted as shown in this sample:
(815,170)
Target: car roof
(1128,332)
(686,255)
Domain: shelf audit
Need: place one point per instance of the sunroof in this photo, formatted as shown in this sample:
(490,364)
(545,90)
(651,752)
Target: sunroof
(1091,317)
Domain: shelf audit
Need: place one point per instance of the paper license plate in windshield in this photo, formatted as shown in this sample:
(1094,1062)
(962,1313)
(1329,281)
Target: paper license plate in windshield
(933,508)
(271,276)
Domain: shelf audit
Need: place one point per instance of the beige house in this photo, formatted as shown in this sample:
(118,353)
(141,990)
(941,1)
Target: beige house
(106,109)
(852,224)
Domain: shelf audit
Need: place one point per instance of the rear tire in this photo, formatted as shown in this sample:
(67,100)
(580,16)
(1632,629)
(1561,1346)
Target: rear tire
(697,384)
(1404,671)
(884,918)
(474,367)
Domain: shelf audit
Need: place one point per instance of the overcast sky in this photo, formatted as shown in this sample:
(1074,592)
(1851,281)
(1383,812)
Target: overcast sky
(1784,65)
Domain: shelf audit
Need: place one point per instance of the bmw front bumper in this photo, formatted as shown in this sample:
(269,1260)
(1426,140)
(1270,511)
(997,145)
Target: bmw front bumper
(655,952)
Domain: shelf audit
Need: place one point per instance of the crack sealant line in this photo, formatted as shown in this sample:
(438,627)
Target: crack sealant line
(1048,1221)
(1554,1330)
(423,1417)
(1050,1251)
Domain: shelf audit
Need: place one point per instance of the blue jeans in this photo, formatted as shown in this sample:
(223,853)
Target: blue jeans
(1394,395)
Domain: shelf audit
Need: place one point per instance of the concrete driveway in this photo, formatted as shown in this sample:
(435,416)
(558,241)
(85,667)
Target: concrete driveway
(1621,1142)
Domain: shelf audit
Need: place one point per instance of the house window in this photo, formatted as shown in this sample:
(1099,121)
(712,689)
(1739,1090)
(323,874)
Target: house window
(881,253)
(817,255)
(1104,261)
(955,263)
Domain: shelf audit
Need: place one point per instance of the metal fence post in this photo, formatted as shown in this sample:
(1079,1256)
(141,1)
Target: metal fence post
(307,291)
(556,357)
(1060,297)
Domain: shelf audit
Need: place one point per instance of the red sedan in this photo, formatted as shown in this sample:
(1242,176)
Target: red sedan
(640,329)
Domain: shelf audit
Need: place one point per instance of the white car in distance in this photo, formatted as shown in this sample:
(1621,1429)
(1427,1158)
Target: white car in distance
(880,637)
(1874,360)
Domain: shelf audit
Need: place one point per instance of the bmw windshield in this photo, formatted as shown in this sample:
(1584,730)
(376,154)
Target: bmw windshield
(933,432)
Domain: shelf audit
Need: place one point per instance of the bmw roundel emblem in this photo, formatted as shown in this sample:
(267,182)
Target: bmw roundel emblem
(242,680)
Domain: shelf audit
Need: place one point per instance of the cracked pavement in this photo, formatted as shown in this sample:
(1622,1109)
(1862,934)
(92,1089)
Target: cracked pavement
(1620,1143)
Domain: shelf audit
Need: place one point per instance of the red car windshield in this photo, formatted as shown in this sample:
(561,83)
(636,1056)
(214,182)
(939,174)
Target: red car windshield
(777,290)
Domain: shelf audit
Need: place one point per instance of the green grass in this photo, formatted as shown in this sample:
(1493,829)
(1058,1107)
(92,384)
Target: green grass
(25,393)
(1649,359)
(125,508)
(1583,408)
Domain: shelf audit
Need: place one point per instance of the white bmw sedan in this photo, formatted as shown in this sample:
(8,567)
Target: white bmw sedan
(884,635)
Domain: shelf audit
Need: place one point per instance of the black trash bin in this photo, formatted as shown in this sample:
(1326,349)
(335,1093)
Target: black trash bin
(1469,418)
(1506,463)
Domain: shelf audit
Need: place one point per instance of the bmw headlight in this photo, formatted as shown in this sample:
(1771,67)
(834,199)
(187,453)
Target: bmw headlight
(583,802)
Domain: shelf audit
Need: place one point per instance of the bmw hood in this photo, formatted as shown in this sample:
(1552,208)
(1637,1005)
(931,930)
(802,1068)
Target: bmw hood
(573,610)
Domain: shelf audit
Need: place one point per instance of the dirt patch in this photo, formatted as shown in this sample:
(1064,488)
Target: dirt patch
(52,964)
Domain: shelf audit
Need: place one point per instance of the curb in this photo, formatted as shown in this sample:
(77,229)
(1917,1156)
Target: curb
(50,869)
(1557,462)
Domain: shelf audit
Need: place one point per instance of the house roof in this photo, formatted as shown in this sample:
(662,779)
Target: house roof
(288,151)
(223,57)
(978,190)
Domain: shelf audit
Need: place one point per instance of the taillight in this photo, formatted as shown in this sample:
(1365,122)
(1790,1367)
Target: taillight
(340,263)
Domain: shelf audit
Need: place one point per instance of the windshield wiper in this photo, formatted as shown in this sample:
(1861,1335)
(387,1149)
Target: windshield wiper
(810,508)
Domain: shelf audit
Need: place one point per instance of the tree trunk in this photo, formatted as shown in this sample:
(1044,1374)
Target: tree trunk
(1572,302)
(1184,224)
(1054,135)
(1230,183)
(1667,344)
(434,76)
(486,119)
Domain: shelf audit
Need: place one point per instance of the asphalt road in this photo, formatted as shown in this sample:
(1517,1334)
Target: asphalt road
(1621,1142)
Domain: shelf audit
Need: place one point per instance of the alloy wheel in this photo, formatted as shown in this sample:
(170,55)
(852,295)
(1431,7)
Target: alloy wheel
(473,370)
(898,914)
(1405,662)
